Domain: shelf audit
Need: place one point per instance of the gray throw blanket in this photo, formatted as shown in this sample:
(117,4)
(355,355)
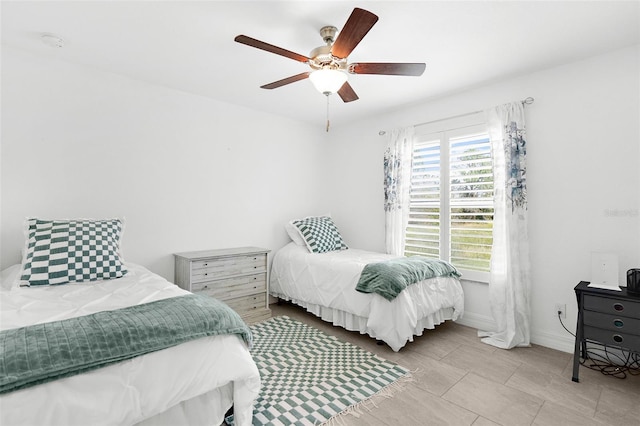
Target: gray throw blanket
(44,352)
(390,277)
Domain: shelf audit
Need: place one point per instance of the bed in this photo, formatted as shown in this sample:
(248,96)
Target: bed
(323,281)
(195,382)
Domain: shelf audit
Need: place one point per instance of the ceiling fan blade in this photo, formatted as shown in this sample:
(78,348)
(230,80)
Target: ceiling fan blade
(285,81)
(270,48)
(414,69)
(347,93)
(354,30)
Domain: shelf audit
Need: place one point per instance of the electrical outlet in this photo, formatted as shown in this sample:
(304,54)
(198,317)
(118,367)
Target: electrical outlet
(562,309)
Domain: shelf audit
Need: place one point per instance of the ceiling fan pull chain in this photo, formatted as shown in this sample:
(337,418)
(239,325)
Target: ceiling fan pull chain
(327,95)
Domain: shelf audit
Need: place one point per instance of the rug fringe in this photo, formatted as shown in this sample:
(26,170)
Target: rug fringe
(370,403)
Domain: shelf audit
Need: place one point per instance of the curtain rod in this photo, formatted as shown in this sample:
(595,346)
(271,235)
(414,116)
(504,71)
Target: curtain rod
(527,101)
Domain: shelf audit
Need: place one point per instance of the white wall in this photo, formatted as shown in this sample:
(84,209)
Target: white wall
(186,172)
(191,173)
(583,177)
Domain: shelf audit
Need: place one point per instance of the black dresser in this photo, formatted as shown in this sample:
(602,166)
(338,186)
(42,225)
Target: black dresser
(607,317)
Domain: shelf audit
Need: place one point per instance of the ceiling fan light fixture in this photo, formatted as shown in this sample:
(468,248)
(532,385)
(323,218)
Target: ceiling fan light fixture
(327,80)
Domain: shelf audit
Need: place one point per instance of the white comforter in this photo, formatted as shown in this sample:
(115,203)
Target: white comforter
(157,388)
(329,280)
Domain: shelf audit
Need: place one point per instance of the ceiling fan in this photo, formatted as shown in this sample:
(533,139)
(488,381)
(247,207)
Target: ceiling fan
(329,63)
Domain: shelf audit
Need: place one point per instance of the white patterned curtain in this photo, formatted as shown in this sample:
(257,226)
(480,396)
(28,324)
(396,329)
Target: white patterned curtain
(397,182)
(509,276)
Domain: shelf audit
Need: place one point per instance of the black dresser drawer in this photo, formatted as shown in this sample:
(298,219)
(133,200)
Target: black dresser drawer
(613,338)
(612,322)
(613,306)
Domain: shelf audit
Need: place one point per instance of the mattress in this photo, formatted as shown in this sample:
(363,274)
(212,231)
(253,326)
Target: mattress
(192,383)
(325,285)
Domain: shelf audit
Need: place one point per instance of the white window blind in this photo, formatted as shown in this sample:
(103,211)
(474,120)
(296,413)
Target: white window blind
(423,231)
(451,202)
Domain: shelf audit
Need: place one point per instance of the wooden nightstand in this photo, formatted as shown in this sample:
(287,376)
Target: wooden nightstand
(237,276)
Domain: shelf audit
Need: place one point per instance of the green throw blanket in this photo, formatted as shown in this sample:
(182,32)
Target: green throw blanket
(44,352)
(390,277)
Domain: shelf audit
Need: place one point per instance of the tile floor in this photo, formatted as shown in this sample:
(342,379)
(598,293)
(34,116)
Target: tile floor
(462,381)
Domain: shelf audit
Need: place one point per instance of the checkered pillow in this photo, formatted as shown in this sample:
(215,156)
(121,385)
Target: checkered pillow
(320,234)
(62,251)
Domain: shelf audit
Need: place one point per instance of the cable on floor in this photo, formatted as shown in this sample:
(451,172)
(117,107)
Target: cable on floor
(613,364)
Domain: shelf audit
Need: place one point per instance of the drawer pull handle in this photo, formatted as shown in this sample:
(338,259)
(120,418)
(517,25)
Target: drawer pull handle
(617,338)
(205,273)
(618,307)
(618,323)
(206,286)
(206,264)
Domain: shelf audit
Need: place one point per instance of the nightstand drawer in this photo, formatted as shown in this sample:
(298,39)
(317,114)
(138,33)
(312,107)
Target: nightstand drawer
(248,303)
(607,305)
(617,323)
(232,288)
(211,269)
(613,338)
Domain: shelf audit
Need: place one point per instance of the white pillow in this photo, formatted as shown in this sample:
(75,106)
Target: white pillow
(294,234)
(9,277)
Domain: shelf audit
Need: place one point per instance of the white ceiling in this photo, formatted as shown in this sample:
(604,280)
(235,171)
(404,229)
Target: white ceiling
(189,45)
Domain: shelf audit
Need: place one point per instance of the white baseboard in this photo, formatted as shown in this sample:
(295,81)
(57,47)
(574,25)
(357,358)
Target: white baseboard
(553,341)
(477,321)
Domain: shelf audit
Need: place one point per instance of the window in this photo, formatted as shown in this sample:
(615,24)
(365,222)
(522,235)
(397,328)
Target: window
(451,201)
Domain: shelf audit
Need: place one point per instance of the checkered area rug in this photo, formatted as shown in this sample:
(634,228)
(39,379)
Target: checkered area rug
(308,377)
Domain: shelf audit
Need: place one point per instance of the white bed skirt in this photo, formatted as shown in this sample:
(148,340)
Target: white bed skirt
(353,322)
